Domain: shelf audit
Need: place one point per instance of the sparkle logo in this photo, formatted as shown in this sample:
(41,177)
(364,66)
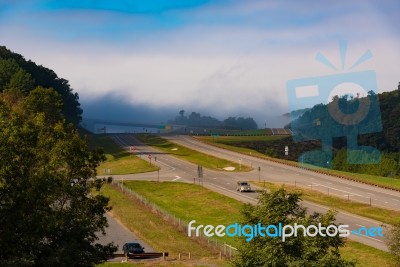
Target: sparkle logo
(345,105)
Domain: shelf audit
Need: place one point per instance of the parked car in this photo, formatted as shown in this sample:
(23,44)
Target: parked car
(130,249)
(243,186)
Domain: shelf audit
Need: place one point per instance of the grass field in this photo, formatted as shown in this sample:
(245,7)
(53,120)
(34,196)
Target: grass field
(190,202)
(366,256)
(151,228)
(190,155)
(165,195)
(227,141)
(364,210)
(119,161)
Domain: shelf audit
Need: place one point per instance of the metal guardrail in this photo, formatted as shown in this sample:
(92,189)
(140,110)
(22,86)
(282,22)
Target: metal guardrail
(145,255)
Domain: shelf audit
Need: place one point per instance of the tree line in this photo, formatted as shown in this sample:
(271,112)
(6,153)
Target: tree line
(197,120)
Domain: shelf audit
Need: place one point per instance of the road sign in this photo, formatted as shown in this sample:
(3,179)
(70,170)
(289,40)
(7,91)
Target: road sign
(132,149)
(149,156)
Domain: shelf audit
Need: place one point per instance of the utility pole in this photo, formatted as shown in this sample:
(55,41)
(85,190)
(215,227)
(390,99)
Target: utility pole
(200,175)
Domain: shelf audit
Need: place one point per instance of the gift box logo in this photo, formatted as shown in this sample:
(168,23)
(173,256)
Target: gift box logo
(344,105)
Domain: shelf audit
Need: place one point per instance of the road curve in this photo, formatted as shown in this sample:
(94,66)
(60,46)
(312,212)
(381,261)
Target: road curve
(272,171)
(174,169)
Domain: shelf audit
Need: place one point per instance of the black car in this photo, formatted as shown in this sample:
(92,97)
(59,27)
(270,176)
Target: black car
(130,249)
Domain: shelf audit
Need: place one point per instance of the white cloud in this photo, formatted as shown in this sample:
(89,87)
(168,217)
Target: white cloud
(223,68)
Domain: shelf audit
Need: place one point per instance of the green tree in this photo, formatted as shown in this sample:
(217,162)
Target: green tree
(282,207)
(393,242)
(44,219)
(241,123)
(20,80)
(7,69)
(43,100)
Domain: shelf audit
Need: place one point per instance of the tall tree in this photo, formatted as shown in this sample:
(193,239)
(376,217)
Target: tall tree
(8,68)
(43,100)
(44,220)
(20,80)
(282,207)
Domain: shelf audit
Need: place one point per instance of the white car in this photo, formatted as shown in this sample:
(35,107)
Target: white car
(243,186)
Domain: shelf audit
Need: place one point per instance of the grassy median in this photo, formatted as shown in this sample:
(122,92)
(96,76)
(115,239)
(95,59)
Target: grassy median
(153,229)
(191,202)
(190,155)
(119,161)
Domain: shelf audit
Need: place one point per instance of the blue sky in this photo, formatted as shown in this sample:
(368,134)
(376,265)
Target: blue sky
(222,58)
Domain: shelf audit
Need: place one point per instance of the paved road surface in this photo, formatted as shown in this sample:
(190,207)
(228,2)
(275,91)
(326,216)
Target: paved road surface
(119,234)
(282,173)
(174,169)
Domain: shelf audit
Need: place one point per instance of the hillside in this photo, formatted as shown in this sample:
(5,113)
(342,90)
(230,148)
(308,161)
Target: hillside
(25,74)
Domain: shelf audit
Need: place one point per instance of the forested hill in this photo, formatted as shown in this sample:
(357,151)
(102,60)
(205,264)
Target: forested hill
(24,74)
(385,110)
(195,119)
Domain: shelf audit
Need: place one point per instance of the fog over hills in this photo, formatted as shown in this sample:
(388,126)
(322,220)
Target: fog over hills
(114,108)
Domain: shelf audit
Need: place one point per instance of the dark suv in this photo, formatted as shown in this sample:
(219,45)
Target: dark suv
(130,249)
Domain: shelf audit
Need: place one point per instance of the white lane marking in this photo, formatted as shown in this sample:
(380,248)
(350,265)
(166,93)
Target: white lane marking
(165,164)
(370,237)
(370,194)
(354,194)
(177,178)
(360,225)
(395,199)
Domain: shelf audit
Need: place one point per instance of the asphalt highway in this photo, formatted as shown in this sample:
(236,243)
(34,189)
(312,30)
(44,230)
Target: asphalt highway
(276,172)
(119,234)
(174,169)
